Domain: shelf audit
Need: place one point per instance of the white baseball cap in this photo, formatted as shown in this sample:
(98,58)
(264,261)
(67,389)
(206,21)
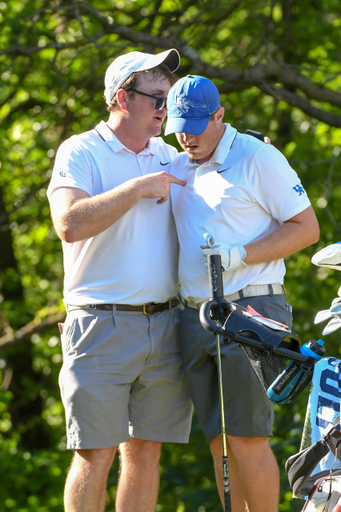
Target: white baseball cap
(125,65)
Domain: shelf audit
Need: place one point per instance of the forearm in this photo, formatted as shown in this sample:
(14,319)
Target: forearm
(292,236)
(77,216)
(88,216)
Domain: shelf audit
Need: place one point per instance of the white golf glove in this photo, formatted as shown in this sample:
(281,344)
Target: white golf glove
(231,258)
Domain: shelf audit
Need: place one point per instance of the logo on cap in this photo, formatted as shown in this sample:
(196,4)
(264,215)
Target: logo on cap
(182,105)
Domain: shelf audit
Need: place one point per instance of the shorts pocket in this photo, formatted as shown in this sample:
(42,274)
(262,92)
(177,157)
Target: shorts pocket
(80,323)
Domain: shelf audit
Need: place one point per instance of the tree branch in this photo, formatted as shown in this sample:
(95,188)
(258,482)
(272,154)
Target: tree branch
(34,327)
(303,104)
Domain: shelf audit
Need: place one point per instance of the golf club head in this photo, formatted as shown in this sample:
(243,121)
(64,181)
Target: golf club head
(322,316)
(329,257)
(332,326)
(335,309)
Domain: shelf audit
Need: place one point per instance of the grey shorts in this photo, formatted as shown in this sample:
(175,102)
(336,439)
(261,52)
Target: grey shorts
(122,377)
(248,412)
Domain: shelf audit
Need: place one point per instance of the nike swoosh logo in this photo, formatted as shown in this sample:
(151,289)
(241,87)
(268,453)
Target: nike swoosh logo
(161,163)
(223,170)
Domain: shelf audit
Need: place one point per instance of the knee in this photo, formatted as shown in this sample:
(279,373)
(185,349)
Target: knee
(140,451)
(249,445)
(101,458)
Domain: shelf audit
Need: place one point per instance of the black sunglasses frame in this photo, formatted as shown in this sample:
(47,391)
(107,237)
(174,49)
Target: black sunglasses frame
(160,101)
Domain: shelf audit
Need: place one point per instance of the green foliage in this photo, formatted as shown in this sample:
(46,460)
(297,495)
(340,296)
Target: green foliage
(52,60)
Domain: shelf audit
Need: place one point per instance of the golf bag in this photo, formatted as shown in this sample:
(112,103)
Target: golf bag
(322,489)
(300,466)
(314,472)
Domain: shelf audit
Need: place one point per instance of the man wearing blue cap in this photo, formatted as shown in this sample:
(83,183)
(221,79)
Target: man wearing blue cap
(244,193)
(122,376)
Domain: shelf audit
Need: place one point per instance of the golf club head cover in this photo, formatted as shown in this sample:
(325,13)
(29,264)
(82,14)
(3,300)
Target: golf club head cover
(329,257)
(231,258)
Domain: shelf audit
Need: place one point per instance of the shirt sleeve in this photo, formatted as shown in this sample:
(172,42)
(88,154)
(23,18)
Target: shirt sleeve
(72,168)
(276,186)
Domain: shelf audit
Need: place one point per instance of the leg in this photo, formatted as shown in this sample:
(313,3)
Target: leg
(86,482)
(254,475)
(139,476)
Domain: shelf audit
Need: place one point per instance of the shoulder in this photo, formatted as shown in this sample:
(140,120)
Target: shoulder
(79,143)
(259,154)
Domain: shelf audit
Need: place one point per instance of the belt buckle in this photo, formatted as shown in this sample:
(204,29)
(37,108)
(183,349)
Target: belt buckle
(144,308)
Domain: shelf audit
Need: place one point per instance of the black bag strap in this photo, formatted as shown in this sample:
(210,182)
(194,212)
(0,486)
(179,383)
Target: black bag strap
(300,465)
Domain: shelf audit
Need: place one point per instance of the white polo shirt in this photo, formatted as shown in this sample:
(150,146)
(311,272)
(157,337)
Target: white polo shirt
(242,194)
(135,260)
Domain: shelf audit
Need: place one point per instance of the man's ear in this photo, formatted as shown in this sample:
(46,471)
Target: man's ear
(121,96)
(219,114)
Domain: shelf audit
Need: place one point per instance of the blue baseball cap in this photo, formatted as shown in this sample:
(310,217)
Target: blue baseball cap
(190,103)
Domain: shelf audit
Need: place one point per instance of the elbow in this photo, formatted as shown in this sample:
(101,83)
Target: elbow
(317,237)
(66,231)
(69,236)
(313,236)
(316,233)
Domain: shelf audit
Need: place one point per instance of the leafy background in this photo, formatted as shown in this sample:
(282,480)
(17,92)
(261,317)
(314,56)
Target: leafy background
(277,66)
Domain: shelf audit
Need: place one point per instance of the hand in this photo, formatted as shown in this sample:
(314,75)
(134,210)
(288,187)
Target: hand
(158,185)
(231,258)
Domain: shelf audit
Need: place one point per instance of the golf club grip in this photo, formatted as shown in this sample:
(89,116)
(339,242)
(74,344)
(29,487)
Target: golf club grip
(215,276)
(226,483)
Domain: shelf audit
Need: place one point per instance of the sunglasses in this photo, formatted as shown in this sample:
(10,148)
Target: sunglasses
(160,101)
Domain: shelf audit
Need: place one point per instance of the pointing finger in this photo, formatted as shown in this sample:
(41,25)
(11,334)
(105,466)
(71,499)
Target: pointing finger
(175,180)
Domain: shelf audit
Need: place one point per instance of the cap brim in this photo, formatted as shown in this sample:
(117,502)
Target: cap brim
(182,125)
(171,58)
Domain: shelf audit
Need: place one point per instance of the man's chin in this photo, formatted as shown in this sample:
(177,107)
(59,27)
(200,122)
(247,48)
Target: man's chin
(192,156)
(156,132)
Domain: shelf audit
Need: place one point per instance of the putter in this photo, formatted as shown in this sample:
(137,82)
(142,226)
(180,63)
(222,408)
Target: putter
(217,293)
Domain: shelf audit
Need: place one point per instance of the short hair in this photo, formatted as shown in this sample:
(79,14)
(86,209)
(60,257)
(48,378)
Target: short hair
(161,71)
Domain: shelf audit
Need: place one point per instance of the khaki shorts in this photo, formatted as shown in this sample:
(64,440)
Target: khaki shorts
(248,412)
(122,377)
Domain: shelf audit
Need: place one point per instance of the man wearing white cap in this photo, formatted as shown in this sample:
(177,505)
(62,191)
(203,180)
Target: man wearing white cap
(244,193)
(122,377)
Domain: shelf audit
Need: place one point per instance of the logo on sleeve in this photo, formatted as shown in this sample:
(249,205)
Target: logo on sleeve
(163,164)
(63,173)
(299,189)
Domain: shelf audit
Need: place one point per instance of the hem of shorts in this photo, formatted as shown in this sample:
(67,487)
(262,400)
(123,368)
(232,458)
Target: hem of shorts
(94,444)
(237,432)
(161,437)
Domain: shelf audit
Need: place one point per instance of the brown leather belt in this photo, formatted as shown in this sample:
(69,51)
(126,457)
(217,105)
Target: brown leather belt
(149,308)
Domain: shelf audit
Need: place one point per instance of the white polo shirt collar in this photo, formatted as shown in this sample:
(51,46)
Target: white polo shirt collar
(222,150)
(116,145)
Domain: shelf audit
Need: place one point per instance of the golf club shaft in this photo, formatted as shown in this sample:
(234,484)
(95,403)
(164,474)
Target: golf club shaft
(217,292)
(223,430)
